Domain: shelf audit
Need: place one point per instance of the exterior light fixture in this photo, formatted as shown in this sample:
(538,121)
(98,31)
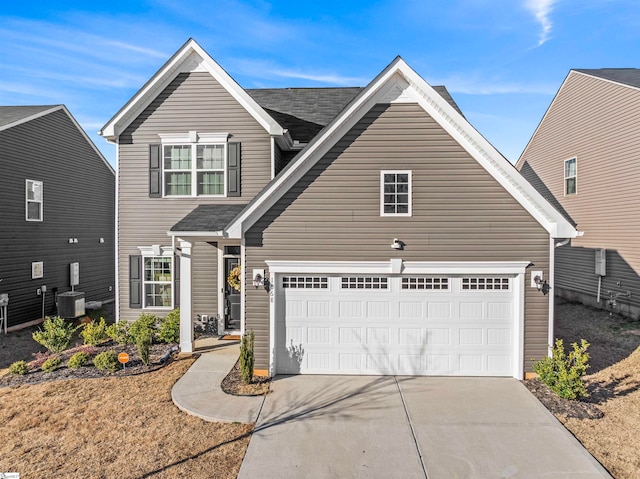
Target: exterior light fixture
(542,285)
(397,244)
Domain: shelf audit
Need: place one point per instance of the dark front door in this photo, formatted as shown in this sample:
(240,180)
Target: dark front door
(231,297)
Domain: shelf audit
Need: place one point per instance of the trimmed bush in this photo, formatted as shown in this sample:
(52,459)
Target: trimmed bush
(119,332)
(143,343)
(106,361)
(94,332)
(169,327)
(563,373)
(145,325)
(56,334)
(246,357)
(19,368)
(78,360)
(51,364)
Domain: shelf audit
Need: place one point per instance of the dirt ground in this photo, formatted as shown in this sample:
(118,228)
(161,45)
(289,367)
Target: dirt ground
(607,423)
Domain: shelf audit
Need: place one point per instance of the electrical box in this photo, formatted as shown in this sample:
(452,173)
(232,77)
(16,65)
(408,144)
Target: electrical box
(71,304)
(601,261)
(74,274)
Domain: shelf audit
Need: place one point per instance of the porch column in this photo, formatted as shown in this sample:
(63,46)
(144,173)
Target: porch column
(186,309)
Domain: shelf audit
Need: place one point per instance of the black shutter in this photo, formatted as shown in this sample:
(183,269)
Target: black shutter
(233,170)
(176,281)
(155,171)
(135,281)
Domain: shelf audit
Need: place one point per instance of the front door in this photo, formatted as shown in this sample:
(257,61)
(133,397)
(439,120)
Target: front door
(231,297)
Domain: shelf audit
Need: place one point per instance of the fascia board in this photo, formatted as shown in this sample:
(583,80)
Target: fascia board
(31,117)
(166,75)
(489,158)
(194,234)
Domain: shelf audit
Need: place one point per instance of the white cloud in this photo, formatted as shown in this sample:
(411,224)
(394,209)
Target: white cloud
(541,9)
(330,78)
(468,85)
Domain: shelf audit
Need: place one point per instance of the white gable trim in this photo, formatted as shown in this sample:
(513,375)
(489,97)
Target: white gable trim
(190,58)
(399,83)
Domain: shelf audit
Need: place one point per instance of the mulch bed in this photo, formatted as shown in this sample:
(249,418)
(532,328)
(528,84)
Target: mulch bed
(559,406)
(232,384)
(133,367)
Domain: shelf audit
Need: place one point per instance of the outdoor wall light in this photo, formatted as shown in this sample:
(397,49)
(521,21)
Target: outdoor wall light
(397,244)
(542,285)
(257,280)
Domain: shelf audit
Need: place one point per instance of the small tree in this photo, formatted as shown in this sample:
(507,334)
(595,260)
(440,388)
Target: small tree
(55,334)
(563,373)
(246,357)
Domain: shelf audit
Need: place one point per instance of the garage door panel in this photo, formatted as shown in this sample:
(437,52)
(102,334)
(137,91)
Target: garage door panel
(397,331)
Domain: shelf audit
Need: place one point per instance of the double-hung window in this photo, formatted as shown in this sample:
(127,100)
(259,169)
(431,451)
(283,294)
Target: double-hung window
(157,281)
(194,170)
(570,176)
(395,193)
(34,200)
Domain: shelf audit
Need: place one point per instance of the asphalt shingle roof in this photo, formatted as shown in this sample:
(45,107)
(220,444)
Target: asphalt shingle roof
(208,218)
(11,114)
(305,111)
(628,76)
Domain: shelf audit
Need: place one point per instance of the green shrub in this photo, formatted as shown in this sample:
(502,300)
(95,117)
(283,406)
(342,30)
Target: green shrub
(106,361)
(119,332)
(94,332)
(145,325)
(78,360)
(19,368)
(169,328)
(143,343)
(246,357)
(56,334)
(563,373)
(51,364)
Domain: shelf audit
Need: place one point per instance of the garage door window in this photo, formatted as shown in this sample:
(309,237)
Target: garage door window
(305,282)
(364,282)
(485,284)
(441,284)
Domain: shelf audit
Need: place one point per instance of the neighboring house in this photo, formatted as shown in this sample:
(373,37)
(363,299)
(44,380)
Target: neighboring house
(376,230)
(584,156)
(58,199)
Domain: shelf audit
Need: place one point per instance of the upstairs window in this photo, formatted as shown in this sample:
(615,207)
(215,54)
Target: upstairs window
(395,193)
(570,176)
(203,177)
(33,209)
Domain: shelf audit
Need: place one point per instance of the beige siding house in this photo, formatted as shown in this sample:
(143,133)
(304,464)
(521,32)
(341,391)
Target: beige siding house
(374,231)
(583,156)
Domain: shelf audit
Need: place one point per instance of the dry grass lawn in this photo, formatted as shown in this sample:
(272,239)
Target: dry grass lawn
(614,384)
(114,427)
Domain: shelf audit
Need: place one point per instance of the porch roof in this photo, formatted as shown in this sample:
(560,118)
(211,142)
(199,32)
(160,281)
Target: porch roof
(207,218)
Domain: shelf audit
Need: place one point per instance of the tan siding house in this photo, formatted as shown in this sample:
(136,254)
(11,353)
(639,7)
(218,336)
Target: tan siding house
(393,238)
(592,127)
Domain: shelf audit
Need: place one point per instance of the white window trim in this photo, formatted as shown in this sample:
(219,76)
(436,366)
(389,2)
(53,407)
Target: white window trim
(575,177)
(156,251)
(27,200)
(410,200)
(195,139)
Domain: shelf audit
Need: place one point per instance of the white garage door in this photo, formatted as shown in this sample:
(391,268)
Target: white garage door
(413,325)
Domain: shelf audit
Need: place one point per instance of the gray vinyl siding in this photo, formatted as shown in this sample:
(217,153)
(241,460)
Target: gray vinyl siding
(79,202)
(597,122)
(193,101)
(460,213)
(204,285)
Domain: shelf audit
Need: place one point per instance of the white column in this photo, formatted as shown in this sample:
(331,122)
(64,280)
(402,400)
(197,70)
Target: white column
(186,309)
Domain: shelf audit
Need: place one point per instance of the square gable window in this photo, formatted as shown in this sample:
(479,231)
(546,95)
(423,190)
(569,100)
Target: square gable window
(395,193)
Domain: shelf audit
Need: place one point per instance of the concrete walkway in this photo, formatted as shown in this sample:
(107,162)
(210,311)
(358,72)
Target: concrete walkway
(198,392)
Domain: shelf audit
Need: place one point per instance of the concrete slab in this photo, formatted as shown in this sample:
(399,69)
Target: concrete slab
(332,426)
(198,392)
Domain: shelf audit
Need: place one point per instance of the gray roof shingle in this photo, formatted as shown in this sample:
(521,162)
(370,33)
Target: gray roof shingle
(628,76)
(208,218)
(11,114)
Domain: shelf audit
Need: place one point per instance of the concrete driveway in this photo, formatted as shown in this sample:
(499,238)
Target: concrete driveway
(410,427)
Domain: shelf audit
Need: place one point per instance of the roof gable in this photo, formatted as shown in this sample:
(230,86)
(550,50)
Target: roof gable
(191,57)
(399,83)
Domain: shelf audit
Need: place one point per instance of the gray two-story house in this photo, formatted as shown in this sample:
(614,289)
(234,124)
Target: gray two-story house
(58,207)
(355,231)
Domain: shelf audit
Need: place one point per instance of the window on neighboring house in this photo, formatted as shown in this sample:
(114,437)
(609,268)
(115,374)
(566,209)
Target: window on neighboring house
(34,200)
(157,281)
(395,194)
(570,176)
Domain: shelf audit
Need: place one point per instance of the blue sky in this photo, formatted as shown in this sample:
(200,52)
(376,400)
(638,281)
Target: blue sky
(502,60)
